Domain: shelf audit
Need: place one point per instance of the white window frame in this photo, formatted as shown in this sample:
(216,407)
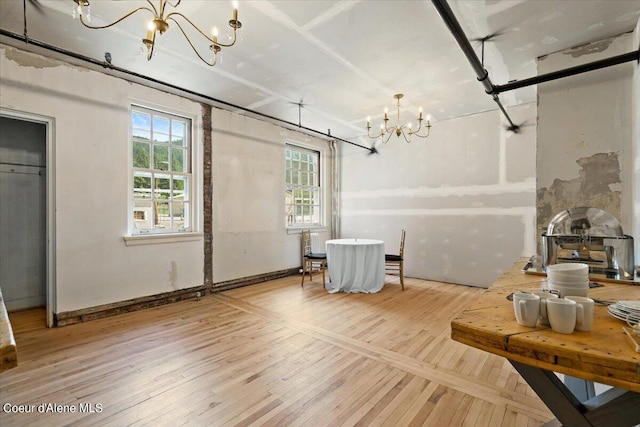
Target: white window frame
(157,234)
(319,188)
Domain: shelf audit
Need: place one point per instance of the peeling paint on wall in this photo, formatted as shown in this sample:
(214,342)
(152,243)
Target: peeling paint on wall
(25,59)
(590,48)
(592,188)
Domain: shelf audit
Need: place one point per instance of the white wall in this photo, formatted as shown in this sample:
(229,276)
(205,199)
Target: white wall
(465,195)
(249,236)
(91,167)
(585,127)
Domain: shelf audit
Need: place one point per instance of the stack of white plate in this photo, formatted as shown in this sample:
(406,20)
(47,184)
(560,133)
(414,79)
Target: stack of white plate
(629,311)
(569,279)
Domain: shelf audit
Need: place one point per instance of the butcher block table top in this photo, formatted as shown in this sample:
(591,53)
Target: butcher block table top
(602,355)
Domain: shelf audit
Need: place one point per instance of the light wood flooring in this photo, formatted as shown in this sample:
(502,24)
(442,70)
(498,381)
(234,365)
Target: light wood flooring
(270,354)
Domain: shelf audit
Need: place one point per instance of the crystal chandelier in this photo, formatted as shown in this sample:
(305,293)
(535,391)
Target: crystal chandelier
(405,130)
(160,24)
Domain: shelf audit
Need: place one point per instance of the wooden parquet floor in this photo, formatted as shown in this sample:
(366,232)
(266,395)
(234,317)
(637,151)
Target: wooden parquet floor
(272,354)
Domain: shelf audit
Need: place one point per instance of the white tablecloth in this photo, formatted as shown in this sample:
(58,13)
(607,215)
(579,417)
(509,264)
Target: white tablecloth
(355,265)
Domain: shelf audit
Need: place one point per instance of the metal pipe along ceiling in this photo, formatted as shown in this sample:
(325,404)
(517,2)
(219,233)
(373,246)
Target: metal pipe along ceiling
(483,76)
(136,78)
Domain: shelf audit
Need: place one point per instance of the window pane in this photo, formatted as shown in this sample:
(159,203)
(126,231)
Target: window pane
(140,120)
(177,160)
(163,187)
(141,135)
(161,157)
(141,155)
(142,215)
(178,132)
(160,125)
(180,188)
(141,186)
(163,220)
(177,215)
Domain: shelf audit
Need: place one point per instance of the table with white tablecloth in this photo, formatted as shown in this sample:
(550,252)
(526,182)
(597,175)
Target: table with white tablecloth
(355,265)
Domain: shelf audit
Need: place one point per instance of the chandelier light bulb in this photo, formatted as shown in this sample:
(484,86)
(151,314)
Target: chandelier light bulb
(214,32)
(234,4)
(150,28)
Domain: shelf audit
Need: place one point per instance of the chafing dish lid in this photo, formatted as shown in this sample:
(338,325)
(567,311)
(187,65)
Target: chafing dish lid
(585,220)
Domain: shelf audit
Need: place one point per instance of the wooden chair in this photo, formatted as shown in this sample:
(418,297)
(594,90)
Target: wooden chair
(394,264)
(310,259)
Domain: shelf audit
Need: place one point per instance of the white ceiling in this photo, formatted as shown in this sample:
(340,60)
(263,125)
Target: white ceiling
(343,60)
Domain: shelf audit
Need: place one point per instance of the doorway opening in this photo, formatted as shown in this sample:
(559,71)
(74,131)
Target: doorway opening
(27,244)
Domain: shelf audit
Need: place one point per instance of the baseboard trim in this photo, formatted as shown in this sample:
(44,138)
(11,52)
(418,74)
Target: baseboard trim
(252,280)
(101,311)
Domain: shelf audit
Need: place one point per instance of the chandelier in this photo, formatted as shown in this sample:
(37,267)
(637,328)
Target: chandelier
(160,24)
(406,131)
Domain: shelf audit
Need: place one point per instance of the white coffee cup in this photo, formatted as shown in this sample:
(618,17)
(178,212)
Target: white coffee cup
(526,306)
(586,306)
(563,314)
(544,318)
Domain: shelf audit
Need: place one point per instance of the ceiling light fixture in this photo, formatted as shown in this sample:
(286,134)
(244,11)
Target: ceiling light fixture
(405,130)
(160,24)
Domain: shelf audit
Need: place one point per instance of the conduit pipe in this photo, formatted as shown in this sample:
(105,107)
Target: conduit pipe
(192,94)
(596,65)
(483,76)
(458,33)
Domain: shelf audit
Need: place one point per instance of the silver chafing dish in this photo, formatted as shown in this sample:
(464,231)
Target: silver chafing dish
(591,236)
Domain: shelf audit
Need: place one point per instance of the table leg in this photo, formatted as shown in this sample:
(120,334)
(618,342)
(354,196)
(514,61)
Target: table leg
(613,407)
(582,389)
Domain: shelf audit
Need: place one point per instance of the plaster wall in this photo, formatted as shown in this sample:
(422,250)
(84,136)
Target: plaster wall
(91,168)
(465,196)
(249,234)
(90,163)
(585,134)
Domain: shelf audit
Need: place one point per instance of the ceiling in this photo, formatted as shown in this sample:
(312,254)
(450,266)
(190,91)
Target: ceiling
(327,65)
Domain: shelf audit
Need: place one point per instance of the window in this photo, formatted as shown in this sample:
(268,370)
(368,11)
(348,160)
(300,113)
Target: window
(302,187)
(161,167)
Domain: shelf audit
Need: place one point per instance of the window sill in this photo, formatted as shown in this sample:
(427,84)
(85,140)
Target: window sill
(154,239)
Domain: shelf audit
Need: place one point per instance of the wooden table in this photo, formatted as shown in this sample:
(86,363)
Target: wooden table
(603,355)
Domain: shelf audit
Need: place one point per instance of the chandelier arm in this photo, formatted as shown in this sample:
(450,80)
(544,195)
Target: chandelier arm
(211,64)
(155,11)
(392,129)
(170,17)
(387,139)
(117,21)
(374,136)
(405,137)
(424,136)
(171,4)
